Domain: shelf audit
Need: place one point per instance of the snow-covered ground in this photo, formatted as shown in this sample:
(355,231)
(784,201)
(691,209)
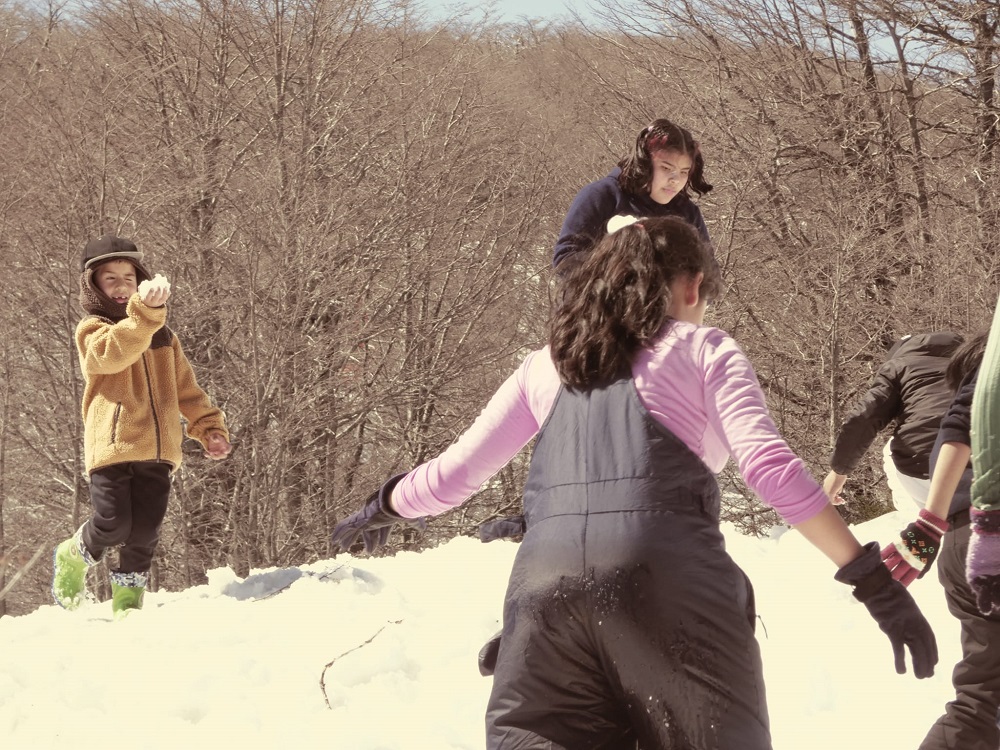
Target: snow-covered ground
(380,654)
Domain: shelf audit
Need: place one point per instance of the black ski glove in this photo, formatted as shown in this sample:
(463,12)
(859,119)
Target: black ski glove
(488,655)
(373,522)
(892,607)
(502,528)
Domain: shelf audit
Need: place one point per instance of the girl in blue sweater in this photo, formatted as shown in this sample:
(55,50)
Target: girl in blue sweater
(655,180)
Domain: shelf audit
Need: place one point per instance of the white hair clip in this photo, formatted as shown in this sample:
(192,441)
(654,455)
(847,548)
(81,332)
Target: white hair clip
(617,222)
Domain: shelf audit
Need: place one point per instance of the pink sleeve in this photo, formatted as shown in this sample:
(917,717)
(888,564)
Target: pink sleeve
(509,421)
(738,411)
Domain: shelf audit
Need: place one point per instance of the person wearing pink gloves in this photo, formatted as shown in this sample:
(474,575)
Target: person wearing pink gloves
(947,530)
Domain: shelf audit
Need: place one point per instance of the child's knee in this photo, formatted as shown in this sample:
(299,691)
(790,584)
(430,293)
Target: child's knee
(117,534)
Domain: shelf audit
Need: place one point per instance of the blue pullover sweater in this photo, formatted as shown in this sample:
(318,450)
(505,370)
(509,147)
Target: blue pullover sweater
(587,218)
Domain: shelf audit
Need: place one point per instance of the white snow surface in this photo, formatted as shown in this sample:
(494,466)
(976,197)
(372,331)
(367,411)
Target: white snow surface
(380,654)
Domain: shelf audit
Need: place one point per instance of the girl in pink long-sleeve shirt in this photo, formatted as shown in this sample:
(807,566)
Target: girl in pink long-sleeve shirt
(625,620)
(693,379)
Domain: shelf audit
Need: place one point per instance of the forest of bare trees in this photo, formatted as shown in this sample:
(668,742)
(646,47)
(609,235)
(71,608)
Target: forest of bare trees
(356,205)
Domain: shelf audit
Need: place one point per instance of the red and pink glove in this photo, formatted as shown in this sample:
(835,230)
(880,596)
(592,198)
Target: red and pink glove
(982,565)
(912,556)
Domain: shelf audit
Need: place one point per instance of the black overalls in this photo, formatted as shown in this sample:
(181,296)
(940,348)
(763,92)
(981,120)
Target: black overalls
(625,620)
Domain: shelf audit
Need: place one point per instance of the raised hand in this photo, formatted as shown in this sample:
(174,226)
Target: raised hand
(154,292)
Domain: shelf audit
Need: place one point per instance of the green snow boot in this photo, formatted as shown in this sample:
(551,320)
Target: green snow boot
(126,593)
(70,562)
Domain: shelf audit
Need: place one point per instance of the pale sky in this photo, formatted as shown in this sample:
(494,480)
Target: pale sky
(516,10)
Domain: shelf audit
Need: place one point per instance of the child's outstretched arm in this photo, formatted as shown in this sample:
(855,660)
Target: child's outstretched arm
(828,533)
(779,477)
(503,428)
(911,556)
(107,348)
(887,600)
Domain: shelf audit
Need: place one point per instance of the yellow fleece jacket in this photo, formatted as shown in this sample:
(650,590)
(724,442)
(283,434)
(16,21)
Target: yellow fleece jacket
(136,394)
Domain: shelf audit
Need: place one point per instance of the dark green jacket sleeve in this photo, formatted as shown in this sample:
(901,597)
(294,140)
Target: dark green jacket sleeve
(986,425)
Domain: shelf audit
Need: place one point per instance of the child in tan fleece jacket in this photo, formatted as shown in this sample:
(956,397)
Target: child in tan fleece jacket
(139,385)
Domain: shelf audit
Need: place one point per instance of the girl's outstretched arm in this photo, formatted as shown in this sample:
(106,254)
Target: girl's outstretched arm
(828,533)
(951,463)
(887,600)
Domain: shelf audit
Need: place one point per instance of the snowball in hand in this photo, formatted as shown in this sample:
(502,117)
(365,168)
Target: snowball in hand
(145,284)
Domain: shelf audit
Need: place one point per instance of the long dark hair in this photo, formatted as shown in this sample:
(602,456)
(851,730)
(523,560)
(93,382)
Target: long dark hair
(966,359)
(616,300)
(661,135)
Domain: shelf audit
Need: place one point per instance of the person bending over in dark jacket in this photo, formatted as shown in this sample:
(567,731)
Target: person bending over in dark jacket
(656,179)
(625,620)
(909,392)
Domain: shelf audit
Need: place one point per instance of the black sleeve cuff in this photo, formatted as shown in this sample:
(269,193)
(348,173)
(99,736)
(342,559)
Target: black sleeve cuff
(385,491)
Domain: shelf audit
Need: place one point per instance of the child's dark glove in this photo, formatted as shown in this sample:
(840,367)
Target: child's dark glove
(982,565)
(502,528)
(913,554)
(488,655)
(373,522)
(892,607)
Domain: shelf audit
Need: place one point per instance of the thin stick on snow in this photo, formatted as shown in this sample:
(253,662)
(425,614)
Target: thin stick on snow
(322,677)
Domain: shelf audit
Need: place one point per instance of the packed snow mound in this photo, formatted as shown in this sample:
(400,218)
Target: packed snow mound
(380,654)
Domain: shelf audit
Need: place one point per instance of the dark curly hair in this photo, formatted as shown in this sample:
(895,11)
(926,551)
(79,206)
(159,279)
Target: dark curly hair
(661,135)
(966,359)
(616,300)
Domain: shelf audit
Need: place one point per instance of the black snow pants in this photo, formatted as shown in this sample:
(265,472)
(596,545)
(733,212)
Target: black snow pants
(970,721)
(626,623)
(130,502)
